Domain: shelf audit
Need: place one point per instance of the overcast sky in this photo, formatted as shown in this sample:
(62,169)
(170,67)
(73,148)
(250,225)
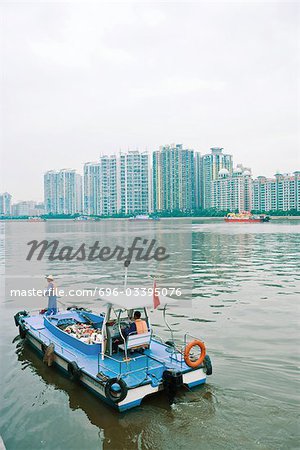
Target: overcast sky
(84,79)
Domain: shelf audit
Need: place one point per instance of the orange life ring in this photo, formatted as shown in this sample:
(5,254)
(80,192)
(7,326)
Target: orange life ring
(187,350)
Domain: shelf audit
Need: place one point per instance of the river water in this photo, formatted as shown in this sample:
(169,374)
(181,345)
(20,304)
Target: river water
(240,292)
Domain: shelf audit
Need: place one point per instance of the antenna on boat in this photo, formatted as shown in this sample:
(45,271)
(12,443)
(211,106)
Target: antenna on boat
(167,324)
(126,265)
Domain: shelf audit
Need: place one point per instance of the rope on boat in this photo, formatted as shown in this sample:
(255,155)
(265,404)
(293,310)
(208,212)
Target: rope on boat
(49,356)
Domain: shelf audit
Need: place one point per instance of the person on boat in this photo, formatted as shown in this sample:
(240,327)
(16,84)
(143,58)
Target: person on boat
(138,325)
(51,293)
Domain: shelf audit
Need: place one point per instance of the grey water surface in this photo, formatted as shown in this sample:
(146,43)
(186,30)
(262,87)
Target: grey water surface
(240,293)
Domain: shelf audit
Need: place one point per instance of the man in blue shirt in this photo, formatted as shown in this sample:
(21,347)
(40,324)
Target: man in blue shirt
(138,326)
(51,293)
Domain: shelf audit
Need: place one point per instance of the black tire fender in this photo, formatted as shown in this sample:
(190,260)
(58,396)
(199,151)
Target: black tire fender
(22,332)
(116,396)
(74,370)
(18,317)
(207,365)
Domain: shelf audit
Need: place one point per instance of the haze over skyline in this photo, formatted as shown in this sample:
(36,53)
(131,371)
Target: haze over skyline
(84,79)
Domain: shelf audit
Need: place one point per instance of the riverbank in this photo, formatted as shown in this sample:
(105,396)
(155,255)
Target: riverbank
(67,219)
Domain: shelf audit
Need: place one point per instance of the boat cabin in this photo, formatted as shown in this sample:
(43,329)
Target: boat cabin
(109,332)
(119,316)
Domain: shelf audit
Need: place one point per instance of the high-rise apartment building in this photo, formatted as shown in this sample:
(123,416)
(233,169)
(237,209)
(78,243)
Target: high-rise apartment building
(173,178)
(28,208)
(51,192)
(63,192)
(297,190)
(100,195)
(232,191)
(91,188)
(5,204)
(198,181)
(109,199)
(276,194)
(134,176)
(69,192)
(211,164)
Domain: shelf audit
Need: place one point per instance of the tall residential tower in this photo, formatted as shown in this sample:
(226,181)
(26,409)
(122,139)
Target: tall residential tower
(109,199)
(134,173)
(5,204)
(91,188)
(232,192)
(211,164)
(173,180)
(51,192)
(63,192)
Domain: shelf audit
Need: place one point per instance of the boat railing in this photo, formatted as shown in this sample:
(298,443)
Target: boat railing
(177,350)
(102,367)
(189,335)
(44,337)
(156,337)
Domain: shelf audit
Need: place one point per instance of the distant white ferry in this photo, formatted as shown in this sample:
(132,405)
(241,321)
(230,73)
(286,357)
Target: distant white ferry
(143,217)
(86,218)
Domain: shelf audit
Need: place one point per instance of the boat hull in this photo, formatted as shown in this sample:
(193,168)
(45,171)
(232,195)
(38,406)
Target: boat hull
(138,376)
(244,220)
(134,396)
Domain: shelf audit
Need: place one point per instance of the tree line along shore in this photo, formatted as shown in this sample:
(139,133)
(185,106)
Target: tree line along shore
(208,213)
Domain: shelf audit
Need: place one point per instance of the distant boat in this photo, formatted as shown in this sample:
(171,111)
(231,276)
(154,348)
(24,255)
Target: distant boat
(86,218)
(80,218)
(246,217)
(36,219)
(143,217)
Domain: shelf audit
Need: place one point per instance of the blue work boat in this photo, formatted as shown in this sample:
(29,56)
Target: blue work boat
(92,349)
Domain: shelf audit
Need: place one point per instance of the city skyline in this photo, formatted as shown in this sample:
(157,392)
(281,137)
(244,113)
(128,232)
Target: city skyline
(140,75)
(96,161)
(179,179)
(172,179)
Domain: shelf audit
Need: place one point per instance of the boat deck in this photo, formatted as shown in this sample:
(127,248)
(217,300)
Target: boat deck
(140,369)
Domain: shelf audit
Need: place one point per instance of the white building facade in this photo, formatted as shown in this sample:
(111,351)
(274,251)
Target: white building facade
(100,193)
(91,188)
(134,176)
(69,192)
(109,199)
(28,208)
(232,192)
(281,193)
(173,176)
(5,204)
(51,192)
(211,164)
(63,192)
